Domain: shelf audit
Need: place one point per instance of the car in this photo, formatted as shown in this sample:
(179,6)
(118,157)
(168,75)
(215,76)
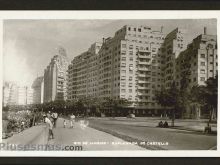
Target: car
(131,116)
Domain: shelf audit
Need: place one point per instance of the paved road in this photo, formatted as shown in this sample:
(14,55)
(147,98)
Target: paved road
(143,131)
(80,134)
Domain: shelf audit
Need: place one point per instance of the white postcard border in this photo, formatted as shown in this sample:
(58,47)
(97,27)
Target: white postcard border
(108,15)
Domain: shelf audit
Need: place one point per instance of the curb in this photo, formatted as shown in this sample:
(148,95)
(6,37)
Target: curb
(193,130)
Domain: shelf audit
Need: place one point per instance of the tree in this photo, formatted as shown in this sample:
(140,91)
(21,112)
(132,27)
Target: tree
(207,95)
(169,98)
(115,104)
(211,95)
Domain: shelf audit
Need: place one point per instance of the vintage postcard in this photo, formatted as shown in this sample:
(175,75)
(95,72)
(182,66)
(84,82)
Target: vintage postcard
(122,83)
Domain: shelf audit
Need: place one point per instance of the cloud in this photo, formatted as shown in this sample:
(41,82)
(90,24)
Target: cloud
(15,66)
(30,44)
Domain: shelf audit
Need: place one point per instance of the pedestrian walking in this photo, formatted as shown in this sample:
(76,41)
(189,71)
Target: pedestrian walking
(64,123)
(50,124)
(54,116)
(72,119)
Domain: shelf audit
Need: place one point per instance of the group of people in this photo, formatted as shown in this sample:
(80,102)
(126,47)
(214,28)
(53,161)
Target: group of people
(72,119)
(163,125)
(51,120)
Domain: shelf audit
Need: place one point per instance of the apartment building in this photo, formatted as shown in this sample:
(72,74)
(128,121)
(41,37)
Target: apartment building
(13,94)
(25,95)
(127,66)
(139,60)
(199,61)
(195,65)
(10,93)
(55,77)
(174,44)
(130,66)
(83,74)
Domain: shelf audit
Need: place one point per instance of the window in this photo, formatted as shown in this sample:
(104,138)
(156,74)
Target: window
(123,90)
(130,46)
(202,71)
(211,70)
(123,52)
(130,78)
(202,63)
(123,78)
(130,90)
(130,71)
(123,45)
(194,79)
(153,55)
(131,58)
(139,30)
(123,71)
(123,59)
(123,64)
(130,52)
(202,78)
(202,55)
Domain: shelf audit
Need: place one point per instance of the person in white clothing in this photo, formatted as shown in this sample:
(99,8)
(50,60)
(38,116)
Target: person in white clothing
(64,123)
(72,118)
(54,116)
(50,124)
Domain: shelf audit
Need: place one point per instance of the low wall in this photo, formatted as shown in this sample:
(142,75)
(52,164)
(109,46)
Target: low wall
(34,135)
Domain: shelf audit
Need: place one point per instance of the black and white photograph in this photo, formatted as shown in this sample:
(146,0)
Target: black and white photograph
(109,85)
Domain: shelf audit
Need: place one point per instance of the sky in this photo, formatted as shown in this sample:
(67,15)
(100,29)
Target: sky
(29,45)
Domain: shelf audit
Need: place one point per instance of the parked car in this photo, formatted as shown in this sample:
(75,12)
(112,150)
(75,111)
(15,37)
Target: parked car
(131,116)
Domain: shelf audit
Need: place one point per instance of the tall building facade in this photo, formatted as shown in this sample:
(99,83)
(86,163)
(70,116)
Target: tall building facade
(83,74)
(10,93)
(130,66)
(38,90)
(55,77)
(14,94)
(127,66)
(25,95)
(139,60)
(199,61)
(196,65)
(174,43)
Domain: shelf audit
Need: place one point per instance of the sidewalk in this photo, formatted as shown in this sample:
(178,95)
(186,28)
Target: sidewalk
(34,135)
(90,139)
